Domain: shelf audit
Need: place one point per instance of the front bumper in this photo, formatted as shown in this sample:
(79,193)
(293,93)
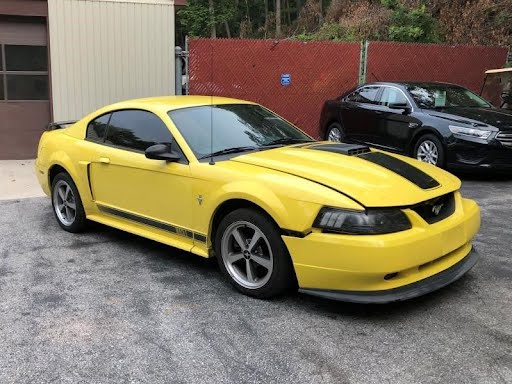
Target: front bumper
(382,263)
(478,154)
(406,292)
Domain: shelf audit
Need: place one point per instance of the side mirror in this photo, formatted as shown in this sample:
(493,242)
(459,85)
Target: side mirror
(161,152)
(406,108)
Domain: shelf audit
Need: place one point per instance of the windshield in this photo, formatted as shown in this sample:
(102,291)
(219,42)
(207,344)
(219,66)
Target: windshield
(432,96)
(242,126)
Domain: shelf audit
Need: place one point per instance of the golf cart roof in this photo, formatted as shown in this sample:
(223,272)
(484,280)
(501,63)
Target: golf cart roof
(501,70)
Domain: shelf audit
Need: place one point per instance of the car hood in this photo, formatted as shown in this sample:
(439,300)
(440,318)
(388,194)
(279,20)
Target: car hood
(374,179)
(499,118)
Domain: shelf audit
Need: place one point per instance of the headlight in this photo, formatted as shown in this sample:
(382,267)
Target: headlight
(370,222)
(469,132)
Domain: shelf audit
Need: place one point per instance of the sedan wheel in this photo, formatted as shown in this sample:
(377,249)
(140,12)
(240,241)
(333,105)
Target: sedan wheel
(335,133)
(428,152)
(429,149)
(252,254)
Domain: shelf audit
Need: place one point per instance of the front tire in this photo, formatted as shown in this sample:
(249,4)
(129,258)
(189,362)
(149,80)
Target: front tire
(67,205)
(252,255)
(429,149)
(335,133)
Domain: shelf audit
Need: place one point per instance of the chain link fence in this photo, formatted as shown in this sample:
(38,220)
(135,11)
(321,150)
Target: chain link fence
(295,78)
(463,65)
(292,78)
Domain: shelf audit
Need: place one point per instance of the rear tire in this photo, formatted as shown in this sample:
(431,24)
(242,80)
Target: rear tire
(429,149)
(252,254)
(67,205)
(335,133)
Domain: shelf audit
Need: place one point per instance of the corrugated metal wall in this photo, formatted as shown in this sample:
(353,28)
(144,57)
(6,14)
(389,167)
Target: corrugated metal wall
(103,51)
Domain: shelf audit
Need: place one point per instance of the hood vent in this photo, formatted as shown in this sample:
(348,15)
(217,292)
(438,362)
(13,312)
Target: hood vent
(344,149)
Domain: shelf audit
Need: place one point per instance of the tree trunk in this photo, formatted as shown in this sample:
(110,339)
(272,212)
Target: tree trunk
(278,19)
(288,15)
(211,10)
(228,31)
(321,11)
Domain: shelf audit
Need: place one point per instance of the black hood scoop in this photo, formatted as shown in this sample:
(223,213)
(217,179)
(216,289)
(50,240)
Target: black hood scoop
(344,149)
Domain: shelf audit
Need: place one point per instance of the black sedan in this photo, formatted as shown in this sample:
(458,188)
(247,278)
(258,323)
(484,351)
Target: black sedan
(442,124)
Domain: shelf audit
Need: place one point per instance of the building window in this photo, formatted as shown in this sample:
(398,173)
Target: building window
(24,72)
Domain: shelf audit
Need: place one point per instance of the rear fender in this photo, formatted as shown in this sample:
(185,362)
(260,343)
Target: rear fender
(79,174)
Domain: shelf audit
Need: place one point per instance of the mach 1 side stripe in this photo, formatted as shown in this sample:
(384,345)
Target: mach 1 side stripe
(156,224)
(411,173)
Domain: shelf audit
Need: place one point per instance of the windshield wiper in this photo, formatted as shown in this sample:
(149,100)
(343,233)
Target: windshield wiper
(228,151)
(287,140)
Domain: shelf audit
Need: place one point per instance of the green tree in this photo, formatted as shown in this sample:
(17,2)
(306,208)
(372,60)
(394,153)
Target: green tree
(411,24)
(208,18)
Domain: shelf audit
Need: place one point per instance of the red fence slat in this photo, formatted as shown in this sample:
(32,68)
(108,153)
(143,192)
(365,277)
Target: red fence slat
(464,65)
(252,69)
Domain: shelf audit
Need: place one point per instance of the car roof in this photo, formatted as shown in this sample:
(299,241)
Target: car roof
(169,103)
(416,83)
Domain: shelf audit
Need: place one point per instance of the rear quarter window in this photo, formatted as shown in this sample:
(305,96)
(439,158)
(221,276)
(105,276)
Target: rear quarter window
(97,128)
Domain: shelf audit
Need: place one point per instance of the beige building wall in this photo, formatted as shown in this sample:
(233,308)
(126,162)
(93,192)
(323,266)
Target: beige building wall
(104,51)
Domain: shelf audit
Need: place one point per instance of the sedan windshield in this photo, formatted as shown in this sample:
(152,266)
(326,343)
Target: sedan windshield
(235,128)
(431,96)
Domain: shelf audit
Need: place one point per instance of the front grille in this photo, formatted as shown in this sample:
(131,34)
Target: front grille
(505,138)
(436,209)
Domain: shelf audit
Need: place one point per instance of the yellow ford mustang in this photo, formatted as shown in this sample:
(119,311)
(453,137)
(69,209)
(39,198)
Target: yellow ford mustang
(277,209)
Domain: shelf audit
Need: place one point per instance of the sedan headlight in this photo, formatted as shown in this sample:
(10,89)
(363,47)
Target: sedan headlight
(370,222)
(465,132)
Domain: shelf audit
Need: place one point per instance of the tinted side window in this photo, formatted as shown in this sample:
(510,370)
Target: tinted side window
(392,95)
(137,130)
(97,128)
(363,95)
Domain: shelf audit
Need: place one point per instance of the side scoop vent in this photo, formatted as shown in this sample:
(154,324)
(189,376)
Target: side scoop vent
(345,149)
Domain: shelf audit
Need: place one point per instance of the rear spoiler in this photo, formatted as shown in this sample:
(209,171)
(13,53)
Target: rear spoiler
(60,124)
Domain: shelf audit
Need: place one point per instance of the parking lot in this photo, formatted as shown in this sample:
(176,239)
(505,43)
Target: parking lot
(110,307)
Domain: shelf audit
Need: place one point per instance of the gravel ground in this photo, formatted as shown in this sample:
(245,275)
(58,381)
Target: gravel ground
(109,307)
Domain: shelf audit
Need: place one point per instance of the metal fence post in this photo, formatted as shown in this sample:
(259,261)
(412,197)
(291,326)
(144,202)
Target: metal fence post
(177,70)
(363,61)
(187,66)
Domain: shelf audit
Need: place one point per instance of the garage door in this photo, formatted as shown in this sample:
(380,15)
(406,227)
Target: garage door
(24,90)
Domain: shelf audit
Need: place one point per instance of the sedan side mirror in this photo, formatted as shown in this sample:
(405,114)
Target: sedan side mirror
(407,109)
(161,152)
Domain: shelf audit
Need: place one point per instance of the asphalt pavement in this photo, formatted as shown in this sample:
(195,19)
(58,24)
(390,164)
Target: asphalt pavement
(110,307)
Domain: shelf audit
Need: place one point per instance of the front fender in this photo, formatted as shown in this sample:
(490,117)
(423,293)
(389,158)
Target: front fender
(253,192)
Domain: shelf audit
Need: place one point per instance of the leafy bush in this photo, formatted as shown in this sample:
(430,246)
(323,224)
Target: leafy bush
(411,24)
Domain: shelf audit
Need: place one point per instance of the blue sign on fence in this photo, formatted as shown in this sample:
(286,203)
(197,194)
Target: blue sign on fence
(286,79)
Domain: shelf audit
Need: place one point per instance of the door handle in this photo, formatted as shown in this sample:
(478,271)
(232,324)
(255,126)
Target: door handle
(104,160)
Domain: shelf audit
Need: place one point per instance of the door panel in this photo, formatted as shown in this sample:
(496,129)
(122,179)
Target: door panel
(394,127)
(359,114)
(155,189)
